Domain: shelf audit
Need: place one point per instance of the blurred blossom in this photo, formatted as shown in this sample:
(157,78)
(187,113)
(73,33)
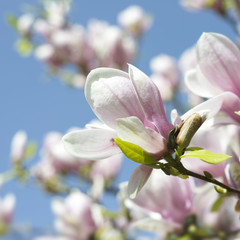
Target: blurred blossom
(47,54)
(71,48)
(165,75)
(225,218)
(7,207)
(77,216)
(188,60)
(42,27)
(167,200)
(18,146)
(194,5)
(135,20)
(121,47)
(25,23)
(53,238)
(57,11)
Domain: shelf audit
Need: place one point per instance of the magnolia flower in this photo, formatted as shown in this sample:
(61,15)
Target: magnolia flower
(7,206)
(77,216)
(225,219)
(135,20)
(194,5)
(130,105)
(18,146)
(53,238)
(165,200)
(25,23)
(165,75)
(121,47)
(217,71)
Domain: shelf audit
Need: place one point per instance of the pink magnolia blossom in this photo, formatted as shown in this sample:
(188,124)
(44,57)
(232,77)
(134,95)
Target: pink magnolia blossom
(167,199)
(130,105)
(225,219)
(217,71)
(135,20)
(77,216)
(121,46)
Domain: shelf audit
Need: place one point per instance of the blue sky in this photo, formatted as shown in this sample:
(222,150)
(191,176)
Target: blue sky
(29,101)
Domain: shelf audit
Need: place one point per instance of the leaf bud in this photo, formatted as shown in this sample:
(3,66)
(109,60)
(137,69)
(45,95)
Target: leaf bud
(188,129)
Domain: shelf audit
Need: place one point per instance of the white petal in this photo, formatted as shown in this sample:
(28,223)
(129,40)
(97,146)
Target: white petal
(91,144)
(132,130)
(199,85)
(111,95)
(137,180)
(210,107)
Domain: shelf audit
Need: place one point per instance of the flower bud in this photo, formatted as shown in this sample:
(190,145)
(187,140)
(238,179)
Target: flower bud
(188,129)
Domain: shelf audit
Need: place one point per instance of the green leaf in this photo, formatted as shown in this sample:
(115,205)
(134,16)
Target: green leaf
(24,47)
(217,204)
(30,150)
(12,20)
(135,152)
(205,155)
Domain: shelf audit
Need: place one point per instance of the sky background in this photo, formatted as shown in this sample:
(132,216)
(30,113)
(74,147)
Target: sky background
(31,102)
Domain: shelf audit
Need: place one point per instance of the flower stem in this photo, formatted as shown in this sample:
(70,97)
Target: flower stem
(179,166)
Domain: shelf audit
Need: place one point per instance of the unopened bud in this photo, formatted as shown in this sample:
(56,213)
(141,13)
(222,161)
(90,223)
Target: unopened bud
(188,129)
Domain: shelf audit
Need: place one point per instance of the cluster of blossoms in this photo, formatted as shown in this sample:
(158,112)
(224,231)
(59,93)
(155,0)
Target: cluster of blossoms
(72,50)
(170,193)
(130,106)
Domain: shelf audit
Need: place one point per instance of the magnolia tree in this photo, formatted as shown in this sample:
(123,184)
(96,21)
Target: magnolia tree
(181,125)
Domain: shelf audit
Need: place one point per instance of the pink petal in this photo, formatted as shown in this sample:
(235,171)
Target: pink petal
(150,100)
(91,144)
(110,94)
(137,180)
(219,60)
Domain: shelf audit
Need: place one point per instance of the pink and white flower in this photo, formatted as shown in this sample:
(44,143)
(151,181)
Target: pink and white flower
(135,20)
(77,216)
(7,207)
(217,71)
(130,105)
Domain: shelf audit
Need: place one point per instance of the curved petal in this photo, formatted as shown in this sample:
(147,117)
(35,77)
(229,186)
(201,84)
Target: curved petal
(132,130)
(137,180)
(210,107)
(110,94)
(199,85)
(150,100)
(91,144)
(219,60)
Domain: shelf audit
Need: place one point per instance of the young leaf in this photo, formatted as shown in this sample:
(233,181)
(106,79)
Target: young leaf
(24,47)
(206,156)
(134,152)
(217,204)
